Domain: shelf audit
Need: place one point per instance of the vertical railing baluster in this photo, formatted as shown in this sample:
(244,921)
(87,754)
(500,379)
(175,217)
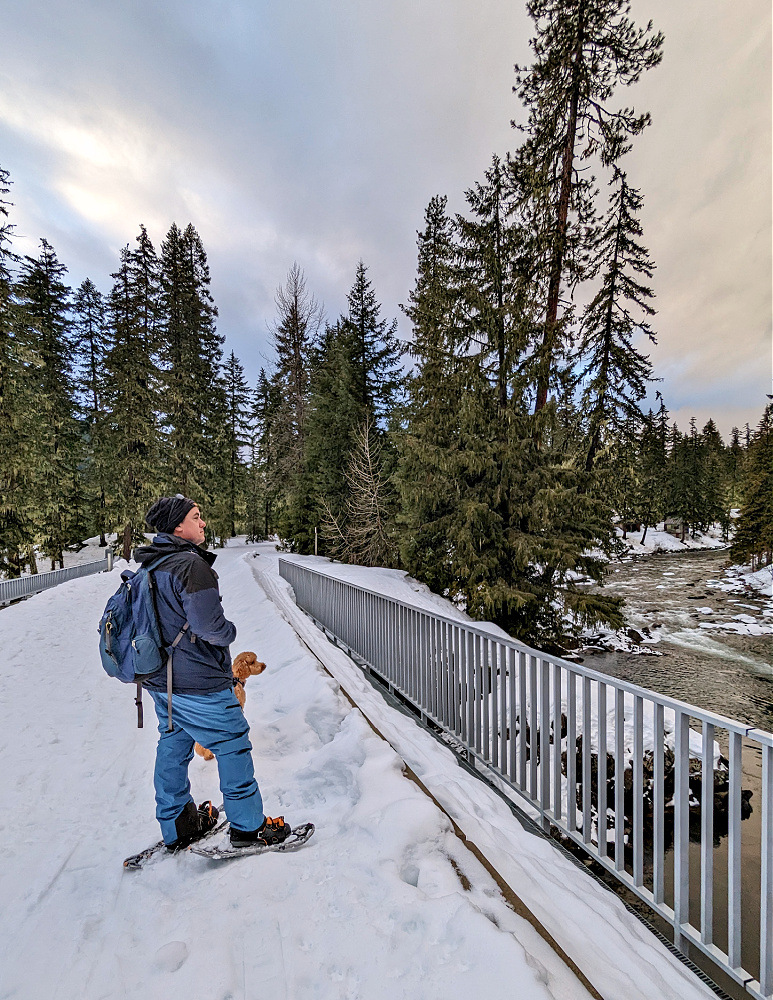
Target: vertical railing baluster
(494,674)
(571,751)
(766,874)
(544,728)
(557,811)
(707,835)
(734,888)
(485,689)
(586,761)
(601,770)
(512,659)
(443,674)
(533,727)
(681,825)
(638,790)
(503,717)
(522,738)
(619,780)
(658,809)
(478,693)
(470,690)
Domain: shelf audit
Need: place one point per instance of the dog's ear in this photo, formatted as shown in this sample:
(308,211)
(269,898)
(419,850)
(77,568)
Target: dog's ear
(242,665)
(202,752)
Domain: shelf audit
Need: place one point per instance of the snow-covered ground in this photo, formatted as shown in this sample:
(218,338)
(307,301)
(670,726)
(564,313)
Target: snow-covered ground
(658,540)
(385,901)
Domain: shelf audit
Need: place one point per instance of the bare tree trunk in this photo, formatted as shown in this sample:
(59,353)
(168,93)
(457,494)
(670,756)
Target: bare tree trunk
(127,541)
(557,266)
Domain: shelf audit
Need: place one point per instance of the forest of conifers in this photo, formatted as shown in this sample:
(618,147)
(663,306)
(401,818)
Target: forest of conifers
(492,455)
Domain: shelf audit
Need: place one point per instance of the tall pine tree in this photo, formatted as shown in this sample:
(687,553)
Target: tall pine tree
(46,321)
(584,50)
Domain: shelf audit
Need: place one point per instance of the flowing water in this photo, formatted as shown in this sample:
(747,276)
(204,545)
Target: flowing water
(676,595)
(725,668)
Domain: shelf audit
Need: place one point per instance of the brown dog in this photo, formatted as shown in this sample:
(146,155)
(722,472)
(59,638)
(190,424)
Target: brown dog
(243,666)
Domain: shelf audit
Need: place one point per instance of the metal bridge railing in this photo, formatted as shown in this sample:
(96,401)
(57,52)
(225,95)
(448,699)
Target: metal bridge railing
(25,586)
(656,830)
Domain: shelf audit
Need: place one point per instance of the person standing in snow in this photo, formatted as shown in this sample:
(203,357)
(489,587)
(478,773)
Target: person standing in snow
(204,706)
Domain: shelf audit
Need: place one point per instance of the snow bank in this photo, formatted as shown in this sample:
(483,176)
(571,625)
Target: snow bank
(658,540)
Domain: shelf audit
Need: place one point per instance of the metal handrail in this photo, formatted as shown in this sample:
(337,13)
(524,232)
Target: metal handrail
(26,586)
(503,701)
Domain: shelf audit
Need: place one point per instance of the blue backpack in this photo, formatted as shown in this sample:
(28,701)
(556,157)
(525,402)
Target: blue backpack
(131,645)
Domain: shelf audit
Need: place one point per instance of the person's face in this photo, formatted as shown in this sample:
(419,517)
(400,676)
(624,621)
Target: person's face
(192,528)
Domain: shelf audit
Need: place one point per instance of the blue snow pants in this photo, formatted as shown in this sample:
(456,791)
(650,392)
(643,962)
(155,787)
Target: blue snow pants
(217,722)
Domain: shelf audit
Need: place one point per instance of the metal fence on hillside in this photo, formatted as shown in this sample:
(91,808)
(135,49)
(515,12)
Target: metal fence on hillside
(671,830)
(25,586)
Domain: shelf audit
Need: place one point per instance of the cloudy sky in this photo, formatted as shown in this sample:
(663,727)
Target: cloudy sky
(317,133)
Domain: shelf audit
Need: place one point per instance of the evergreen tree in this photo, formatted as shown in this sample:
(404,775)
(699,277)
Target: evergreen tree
(735,458)
(374,350)
(190,356)
(429,493)
(753,540)
(652,457)
(493,513)
(299,318)
(237,425)
(615,372)
(715,506)
(336,411)
(295,334)
(18,374)
(130,448)
(45,301)
(357,379)
(91,344)
(264,483)
(584,49)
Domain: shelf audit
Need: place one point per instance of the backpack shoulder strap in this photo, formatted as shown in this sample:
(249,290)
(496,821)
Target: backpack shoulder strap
(149,568)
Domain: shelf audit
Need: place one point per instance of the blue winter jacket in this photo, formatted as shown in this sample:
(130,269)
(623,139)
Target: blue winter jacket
(186,590)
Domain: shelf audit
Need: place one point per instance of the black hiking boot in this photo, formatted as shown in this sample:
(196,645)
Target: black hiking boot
(273,831)
(192,824)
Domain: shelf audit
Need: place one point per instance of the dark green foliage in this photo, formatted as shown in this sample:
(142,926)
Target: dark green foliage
(236,433)
(91,344)
(190,356)
(495,515)
(18,376)
(45,329)
(615,372)
(373,349)
(753,541)
(295,335)
(264,486)
(356,381)
(130,448)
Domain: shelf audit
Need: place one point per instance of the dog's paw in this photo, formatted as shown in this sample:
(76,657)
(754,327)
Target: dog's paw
(203,752)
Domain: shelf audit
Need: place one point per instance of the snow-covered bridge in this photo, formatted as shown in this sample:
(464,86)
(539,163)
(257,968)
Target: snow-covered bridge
(386,901)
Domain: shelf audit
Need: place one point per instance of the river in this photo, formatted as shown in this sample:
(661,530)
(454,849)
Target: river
(724,668)
(675,596)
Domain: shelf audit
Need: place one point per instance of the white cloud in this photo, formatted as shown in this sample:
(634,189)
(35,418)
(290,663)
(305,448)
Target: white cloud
(318,133)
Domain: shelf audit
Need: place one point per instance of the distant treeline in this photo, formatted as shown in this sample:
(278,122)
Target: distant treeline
(492,457)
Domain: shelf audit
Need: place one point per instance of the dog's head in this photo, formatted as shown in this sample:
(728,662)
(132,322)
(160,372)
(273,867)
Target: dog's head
(245,664)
